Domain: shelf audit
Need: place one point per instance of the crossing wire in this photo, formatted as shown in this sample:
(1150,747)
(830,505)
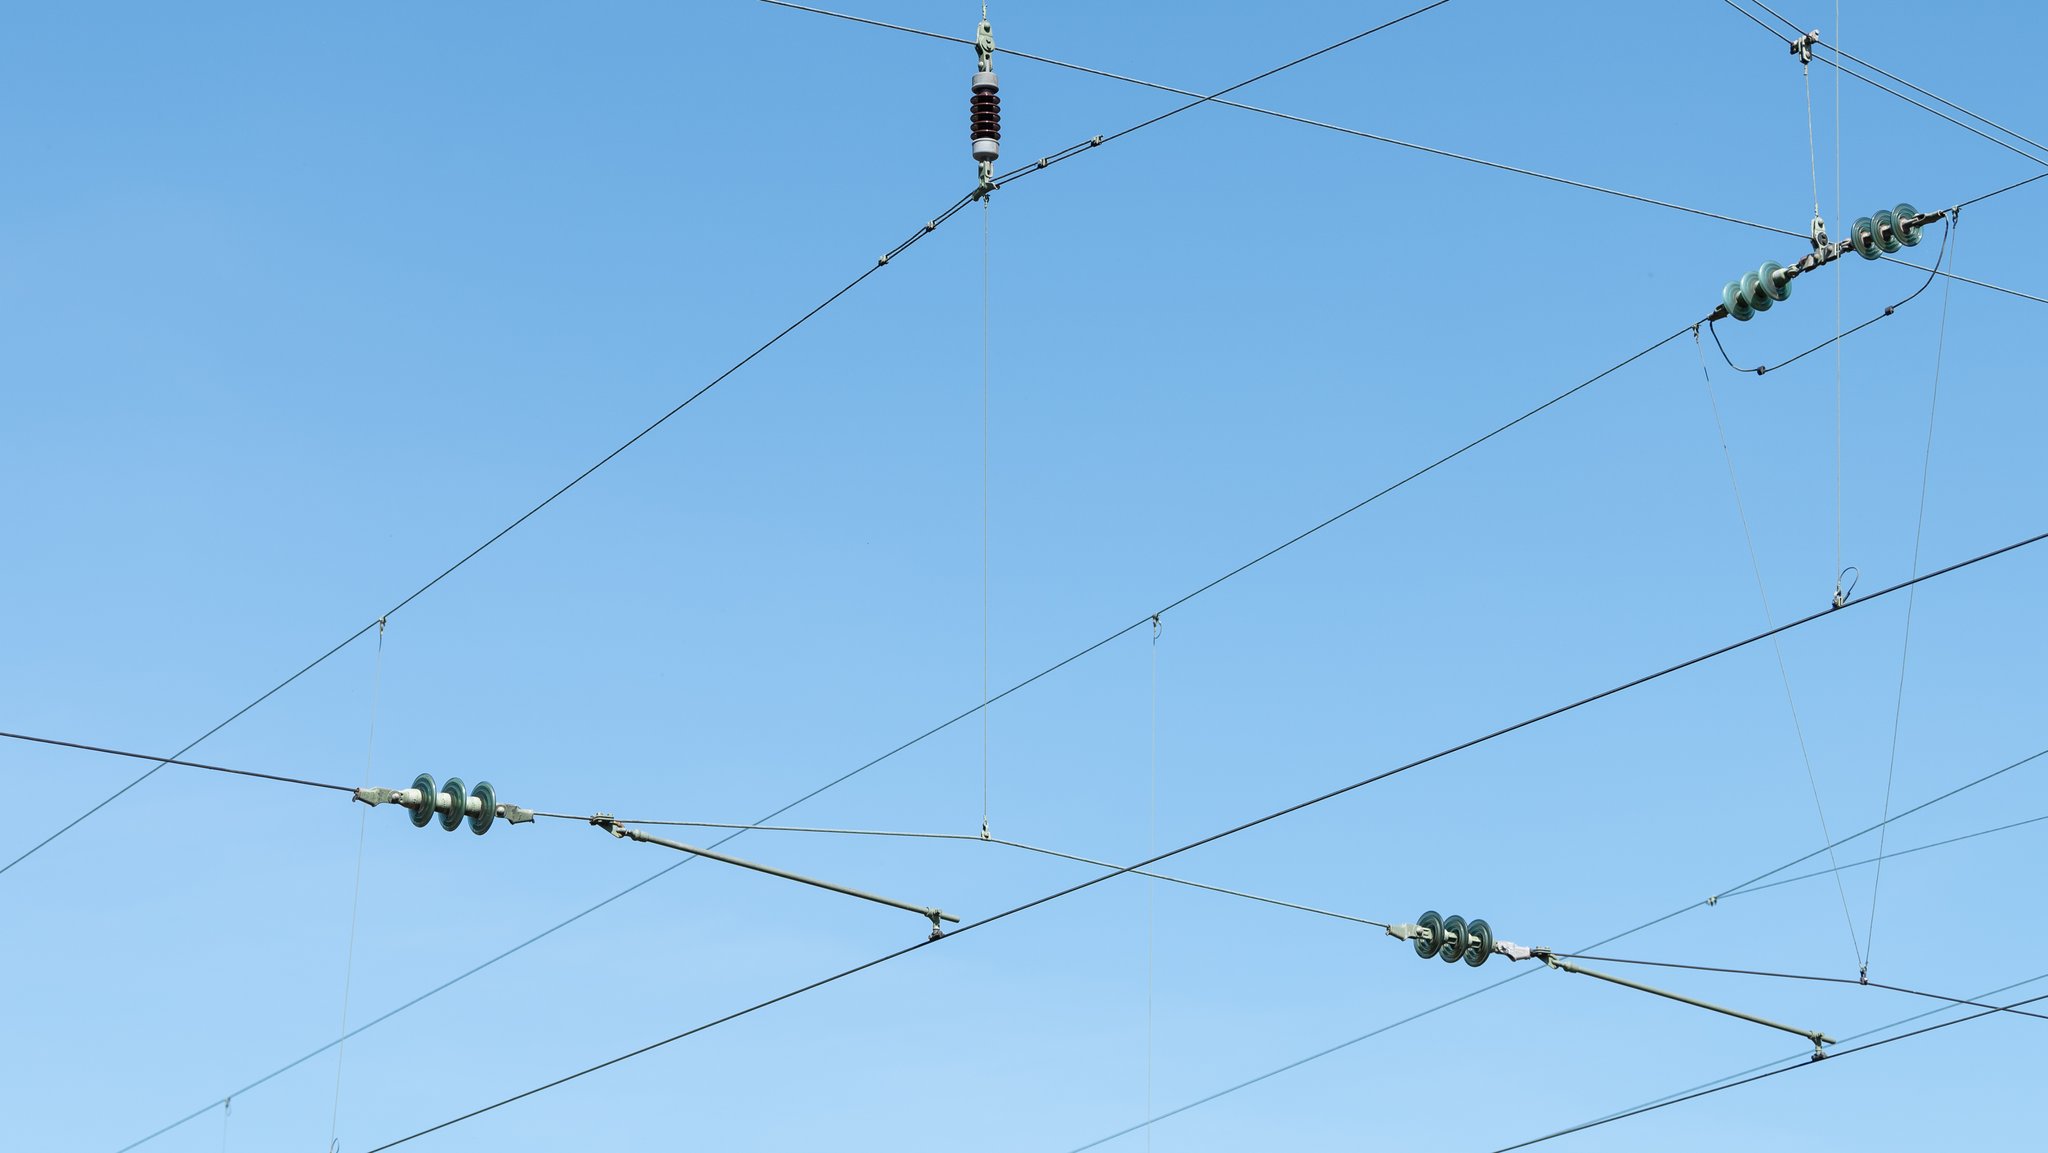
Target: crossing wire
(1211,838)
(1398,143)
(1803,1062)
(950,722)
(1746,886)
(1855,75)
(930,226)
(1813,977)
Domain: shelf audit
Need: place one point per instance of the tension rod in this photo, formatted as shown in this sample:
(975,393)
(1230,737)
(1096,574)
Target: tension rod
(611,825)
(1814,1035)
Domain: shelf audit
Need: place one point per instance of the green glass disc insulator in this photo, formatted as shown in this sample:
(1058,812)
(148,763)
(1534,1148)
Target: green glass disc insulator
(1753,292)
(1776,284)
(452,819)
(487,797)
(425,813)
(1731,300)
(1886,227)
(1863,238)
(1456,939)
(1482,943)
(1909,234)
(1432,934)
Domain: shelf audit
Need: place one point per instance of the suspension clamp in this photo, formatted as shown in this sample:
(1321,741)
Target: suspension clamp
(1803,47)
(1818,233)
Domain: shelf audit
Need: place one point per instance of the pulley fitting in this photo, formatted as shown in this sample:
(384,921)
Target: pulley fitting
(479,806)
(1884,231)
(984,109)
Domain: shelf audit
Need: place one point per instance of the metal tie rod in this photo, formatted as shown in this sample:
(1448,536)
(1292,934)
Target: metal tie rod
(1814,1035)
(611,825)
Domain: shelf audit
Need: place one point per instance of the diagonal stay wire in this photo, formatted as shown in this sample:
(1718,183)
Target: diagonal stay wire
(1784,675)
(501,533)
(1651,923)
(1244,826)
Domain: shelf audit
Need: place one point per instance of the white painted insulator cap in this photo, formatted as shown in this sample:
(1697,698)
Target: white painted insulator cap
(985,149)
(983,80)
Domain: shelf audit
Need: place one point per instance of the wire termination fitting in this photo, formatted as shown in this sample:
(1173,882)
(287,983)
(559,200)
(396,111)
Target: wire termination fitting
(984,110)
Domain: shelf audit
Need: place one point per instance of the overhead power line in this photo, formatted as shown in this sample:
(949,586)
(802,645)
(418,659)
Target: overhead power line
(1389,140)
(104,751)
(969,712)
(929,226)
(1808,38)
(1816,978)
(1212,838)
(1834,1056)
(1745,886)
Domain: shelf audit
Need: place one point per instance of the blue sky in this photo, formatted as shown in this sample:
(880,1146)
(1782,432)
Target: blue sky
(299,308)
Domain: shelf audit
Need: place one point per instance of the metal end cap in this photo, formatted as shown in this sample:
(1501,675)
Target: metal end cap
(985,149)
(983,80)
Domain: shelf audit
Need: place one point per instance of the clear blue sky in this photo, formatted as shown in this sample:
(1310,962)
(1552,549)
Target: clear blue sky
(297,308)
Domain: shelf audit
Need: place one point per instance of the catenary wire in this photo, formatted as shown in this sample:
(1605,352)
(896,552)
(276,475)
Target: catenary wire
(1211,838)
(1651,923)
(1302,120)
(1872,1032)
(929,226)
(978,839)
(886,258)
(1389,140)
(1813,977)
(1855,75)
(1894,854)
(948,723)
(174,761)
(1695,1095)
(494,538)
(1855,59)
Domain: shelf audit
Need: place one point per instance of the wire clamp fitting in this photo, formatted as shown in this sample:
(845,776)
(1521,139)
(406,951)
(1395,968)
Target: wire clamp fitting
(1818,232)
(1803,47)
(937,932)
(1716,898)
(608,823)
